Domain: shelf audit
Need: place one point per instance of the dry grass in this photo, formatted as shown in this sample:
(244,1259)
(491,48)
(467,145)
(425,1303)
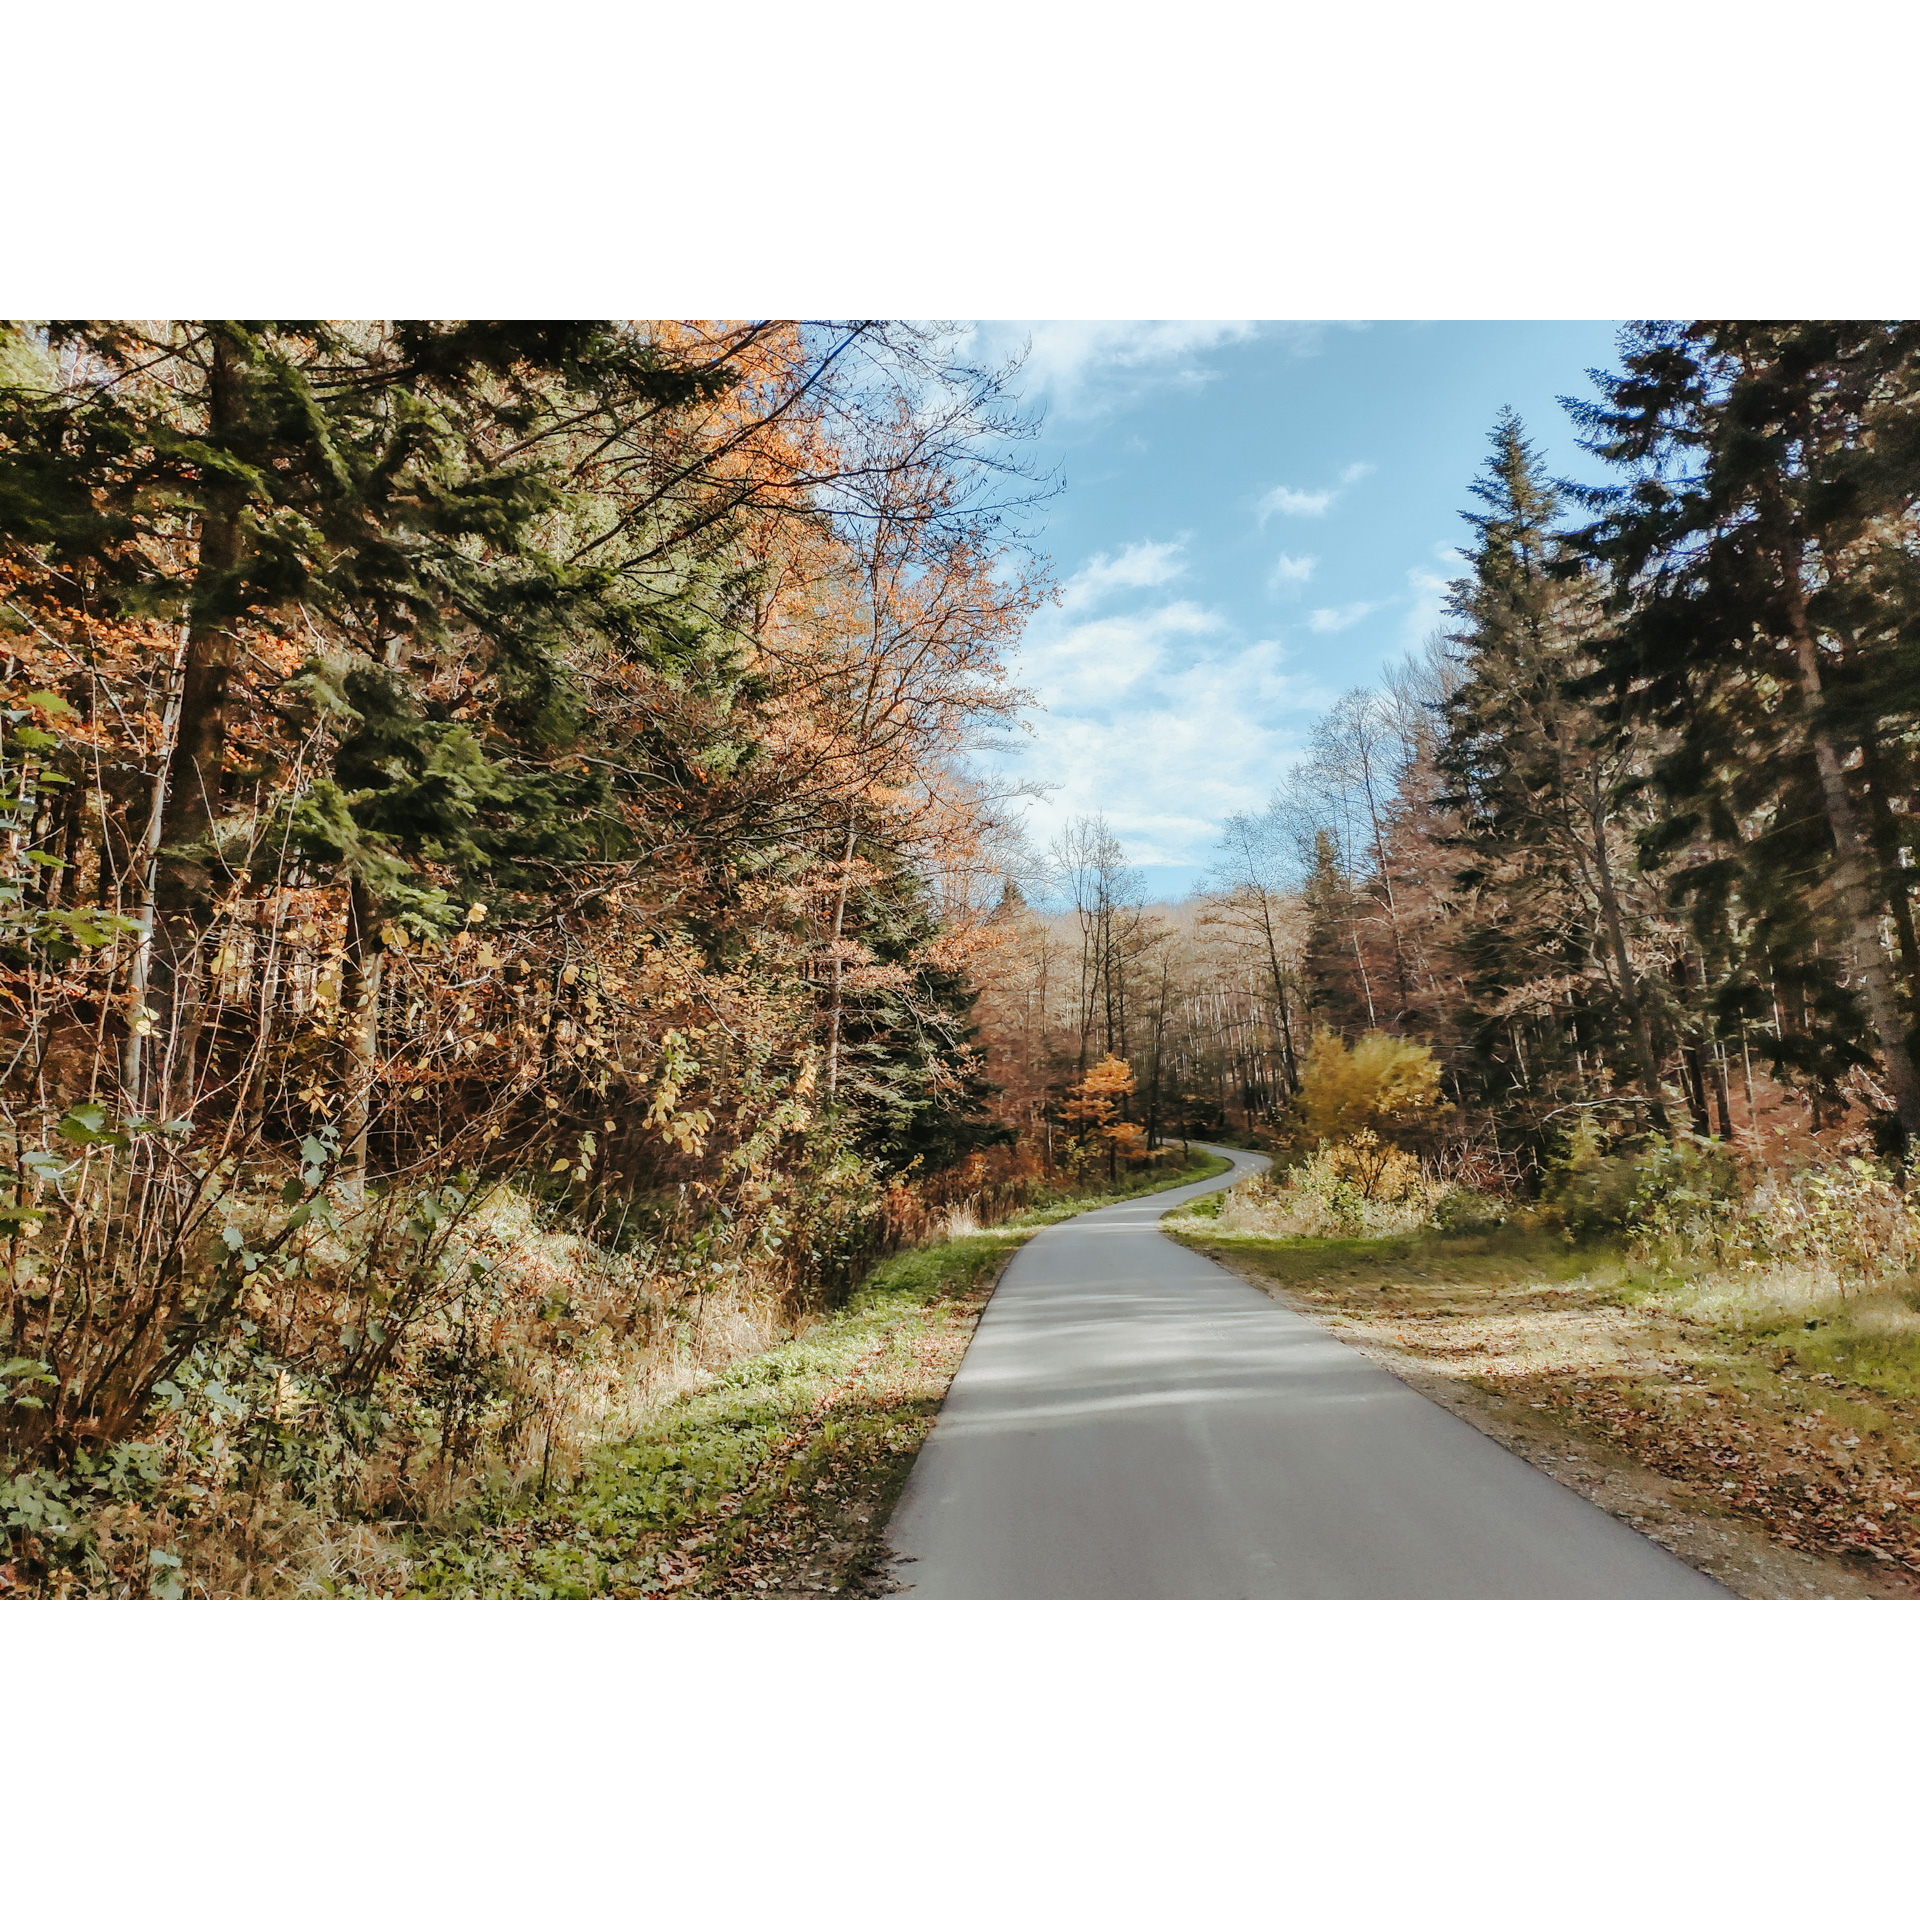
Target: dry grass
(1363,1188)
(776,1479)
(589,1357)
(253,1490)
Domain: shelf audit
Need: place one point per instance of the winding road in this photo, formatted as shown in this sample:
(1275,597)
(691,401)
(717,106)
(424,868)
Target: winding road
(1132,1422)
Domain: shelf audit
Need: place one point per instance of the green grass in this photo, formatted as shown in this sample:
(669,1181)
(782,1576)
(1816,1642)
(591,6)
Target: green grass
(1202,1166)
(1871,1339)
(834,1417)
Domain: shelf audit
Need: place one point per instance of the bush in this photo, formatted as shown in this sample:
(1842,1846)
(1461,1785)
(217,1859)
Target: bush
(1368,1092)
(1685,1190)
(1324,1197)
(1464,1211)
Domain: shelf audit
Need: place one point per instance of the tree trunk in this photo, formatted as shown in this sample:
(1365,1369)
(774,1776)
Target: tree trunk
(1629,987)
(189,871)
(1886,835)
(145,876)
(1279,995)
(1366,985)
(1722,1092)
(256,1095)
(833,1010)
(360,1015)
(1851,876)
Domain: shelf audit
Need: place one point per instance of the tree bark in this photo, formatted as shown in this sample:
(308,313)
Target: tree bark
(1629,987)
(146,877)
(1279,994)
(833,1011)
(1886,840)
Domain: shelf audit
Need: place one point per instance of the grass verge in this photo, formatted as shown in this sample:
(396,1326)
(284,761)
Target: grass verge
(777,1480)
(1785,1462)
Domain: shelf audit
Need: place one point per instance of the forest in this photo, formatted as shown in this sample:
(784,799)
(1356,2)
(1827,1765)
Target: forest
(509,909)
(1632,837)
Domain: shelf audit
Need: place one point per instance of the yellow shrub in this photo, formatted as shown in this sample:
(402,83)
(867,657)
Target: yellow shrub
(1378,1082)
(1377,1167)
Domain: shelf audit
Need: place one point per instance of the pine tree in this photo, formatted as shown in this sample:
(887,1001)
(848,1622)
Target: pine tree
(1763,567)
(1535,789)
(223,473)
(1339,985)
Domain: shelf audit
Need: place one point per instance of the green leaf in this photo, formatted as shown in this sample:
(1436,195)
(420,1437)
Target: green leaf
(86,1126)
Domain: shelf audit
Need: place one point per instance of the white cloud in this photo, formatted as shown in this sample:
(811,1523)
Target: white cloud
(1338,619)
(1292,571)
(1428,610)
(1296,505)
(1095,661)
(1085,367)
(1165,720)
(1146,563)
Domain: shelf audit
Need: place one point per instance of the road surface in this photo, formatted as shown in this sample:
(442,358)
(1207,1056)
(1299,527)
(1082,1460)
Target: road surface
(1132,1422)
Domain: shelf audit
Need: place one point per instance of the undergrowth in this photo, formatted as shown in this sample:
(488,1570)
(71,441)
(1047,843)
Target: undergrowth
(724,1492)
(252,1478)
(1755,1337)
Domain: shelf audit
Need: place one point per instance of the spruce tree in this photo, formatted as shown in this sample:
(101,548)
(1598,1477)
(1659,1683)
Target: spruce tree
(1763,570)
(1535,789)
(388,487)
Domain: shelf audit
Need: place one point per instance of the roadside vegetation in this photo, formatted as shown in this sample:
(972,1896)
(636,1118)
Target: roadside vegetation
(726,1445)
(777,1477)
(1626,856)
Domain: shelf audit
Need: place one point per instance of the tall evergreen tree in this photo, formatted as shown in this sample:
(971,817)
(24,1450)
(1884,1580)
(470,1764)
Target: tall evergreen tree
(1763,564)
(1535,788)
(226,471)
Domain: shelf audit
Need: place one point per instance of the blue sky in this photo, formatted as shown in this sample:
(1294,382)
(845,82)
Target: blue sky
(1255,519)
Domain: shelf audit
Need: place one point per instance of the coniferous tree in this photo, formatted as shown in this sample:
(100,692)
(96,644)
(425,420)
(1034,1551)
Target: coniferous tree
(1340,988)
(1763,565)
(229,471)
(1534,787)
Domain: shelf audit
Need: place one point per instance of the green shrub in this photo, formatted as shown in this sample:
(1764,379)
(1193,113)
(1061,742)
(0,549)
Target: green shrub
(1666,1190)
(1466,1212)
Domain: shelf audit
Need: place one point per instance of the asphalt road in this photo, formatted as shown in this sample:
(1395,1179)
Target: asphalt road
(1132,1422)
